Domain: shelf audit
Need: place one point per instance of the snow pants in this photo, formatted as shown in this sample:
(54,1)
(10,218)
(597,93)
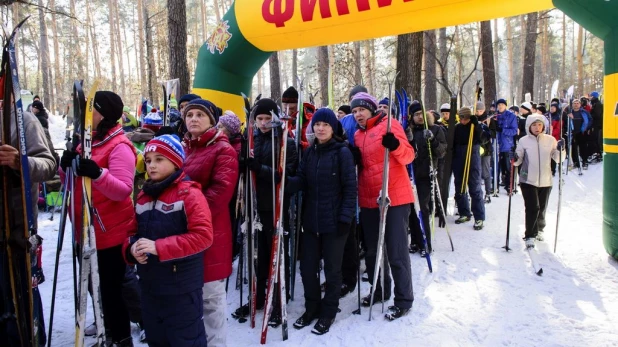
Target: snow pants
(112,269)
(174,320)
(350,262)
(330,247)
(505,168)
(214,308)
(396,246)
(535,202)
(474,183)
(486,166)
(424,199)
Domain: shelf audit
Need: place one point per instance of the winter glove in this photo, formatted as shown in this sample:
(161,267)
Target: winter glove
(87,168)
(560,144)
(253,164)
(428,135)
(356,153)
(67,159)
(390,141)
(343,228)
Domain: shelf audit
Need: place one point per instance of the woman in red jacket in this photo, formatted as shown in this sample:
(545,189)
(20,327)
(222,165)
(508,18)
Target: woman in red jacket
(212,162)
(111,169)
(373,139)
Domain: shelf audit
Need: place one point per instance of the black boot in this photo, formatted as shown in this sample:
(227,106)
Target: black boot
(275,318)
(305,320)
(322,326)
(395,312)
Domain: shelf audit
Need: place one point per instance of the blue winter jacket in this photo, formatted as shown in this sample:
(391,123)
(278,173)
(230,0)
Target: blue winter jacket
(349,125)
(507,122)
(327,176)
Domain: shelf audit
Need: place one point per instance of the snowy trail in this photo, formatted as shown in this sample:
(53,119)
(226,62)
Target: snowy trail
(477,295)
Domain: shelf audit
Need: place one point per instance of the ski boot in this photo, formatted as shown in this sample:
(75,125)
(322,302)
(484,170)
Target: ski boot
(376,299)
(413,249)
(275,319)
(478,224)
(462,219)
(395,312)
(304,320)
(530,242)
(241,312)
(487,199)
(322,326)
(539,236)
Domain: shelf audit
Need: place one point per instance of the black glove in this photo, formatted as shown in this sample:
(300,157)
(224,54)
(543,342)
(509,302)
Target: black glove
(356,153)
(67,159)
(474,121)
(560,144)
(390,141)
(343,228)
(253,164)
(87,168)
(498,128)
(428,135)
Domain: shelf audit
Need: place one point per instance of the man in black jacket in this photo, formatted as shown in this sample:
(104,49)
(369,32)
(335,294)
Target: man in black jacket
(596,133)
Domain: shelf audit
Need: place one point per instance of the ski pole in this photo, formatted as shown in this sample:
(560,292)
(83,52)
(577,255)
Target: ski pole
(508,218)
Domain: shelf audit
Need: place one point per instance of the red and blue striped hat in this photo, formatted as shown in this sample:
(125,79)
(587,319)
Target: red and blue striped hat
(168,146)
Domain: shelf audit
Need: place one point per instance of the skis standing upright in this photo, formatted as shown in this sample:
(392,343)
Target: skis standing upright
(297,204)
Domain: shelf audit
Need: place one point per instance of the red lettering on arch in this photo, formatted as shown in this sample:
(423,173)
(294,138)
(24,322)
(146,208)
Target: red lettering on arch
(307,8)
(342,7)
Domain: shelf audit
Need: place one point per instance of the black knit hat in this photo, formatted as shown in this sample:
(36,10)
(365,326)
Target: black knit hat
(501,101)
(265,106)
(415,106)
(38,105)
(290,96)
(109,105)
(345,108)
(357,89)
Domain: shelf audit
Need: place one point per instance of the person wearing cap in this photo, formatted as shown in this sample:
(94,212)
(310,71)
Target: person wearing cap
(129,123)
(348,122)
(212,162)
(111,169)
(533,155)
(596,134)
(265,132)
(514,109)
(343,111)
(445,112)
(506,128)
(373,127)
(419,137)
(383,105)
(42,168)
(463,131)
(327,177)
(488,125)
(174,230)
(578,119)
(289,101)
(35,98)
(41,113)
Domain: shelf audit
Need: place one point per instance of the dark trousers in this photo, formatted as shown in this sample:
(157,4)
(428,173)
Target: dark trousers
(424,199)
(396,245)
(580,149)
(265,240)
(505,167)
(112,269)
(474,183)
(174,320)
(593,142)
(535,202)
(350,263)
(330,247)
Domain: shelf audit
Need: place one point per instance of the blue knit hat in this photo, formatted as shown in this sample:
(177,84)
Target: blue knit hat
(168,146)
(325,115)
(384,101)
(206,106)
(188,97)
(501,101)
(153,118)
(594,94)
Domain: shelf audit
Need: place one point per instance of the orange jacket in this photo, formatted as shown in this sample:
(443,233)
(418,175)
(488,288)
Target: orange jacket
(369,141)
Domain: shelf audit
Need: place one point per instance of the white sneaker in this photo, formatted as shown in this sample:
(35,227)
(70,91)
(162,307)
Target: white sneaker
(540,236)
(530,242)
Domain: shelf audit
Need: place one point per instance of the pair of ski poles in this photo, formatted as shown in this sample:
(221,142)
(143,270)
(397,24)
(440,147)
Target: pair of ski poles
(468,160)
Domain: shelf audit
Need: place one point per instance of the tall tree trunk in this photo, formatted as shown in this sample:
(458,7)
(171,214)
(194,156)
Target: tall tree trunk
(57,56)
(94,41)
(128,54)
(141,18)
(580,60)
(323,68)
(275,78)
(118,40)
(563,68)
(410,63)
(529,54)
(112,45)
(431,97)
(203,20)
(295,68)
(497,56)
(489,71)
(177,34)
(76,49)
(152,74)
(443,64)
(358,74)
(44,58)
(368,60)
(217,12)
(509,55)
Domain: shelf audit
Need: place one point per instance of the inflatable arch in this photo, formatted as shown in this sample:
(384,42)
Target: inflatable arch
(251,30)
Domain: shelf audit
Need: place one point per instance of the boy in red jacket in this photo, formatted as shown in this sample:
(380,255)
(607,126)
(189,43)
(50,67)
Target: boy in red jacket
(174,229)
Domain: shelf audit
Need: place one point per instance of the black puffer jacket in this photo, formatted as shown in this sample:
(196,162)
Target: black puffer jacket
(327,176)
(438,149)
(597,113)
(262,151)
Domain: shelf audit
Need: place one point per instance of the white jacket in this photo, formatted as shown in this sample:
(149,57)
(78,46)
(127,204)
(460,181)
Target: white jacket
(535,154)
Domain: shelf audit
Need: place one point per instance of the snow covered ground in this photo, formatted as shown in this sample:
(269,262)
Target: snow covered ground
(478,295)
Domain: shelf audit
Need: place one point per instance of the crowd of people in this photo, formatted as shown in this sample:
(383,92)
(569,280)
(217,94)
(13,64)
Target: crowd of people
(165,196)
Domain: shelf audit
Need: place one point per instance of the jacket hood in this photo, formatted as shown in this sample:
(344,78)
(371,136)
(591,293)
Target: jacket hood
(534,118)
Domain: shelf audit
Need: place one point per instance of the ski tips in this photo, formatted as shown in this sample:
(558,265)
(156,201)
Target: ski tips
(540,272)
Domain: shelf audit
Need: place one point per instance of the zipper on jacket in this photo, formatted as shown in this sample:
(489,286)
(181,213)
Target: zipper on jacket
(95,212)
(538,146)
(317,202)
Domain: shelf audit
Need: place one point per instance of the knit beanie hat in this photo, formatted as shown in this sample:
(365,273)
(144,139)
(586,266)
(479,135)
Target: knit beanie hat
(231,122)
(153,118)
(357,89)
(345,108)
(501,101)
(594,94)
(168,146)
(465,112)
(290,96)
(188,98)
(109,105)
(526,106)
(446,107)
(514,109)
(414,107)
(325,115)
(38,105)
(364,100)
(480,106)
(265,106)
(205,106)
(384,101)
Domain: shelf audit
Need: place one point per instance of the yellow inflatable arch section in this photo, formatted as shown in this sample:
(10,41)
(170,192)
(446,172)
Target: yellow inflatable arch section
(252,29)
